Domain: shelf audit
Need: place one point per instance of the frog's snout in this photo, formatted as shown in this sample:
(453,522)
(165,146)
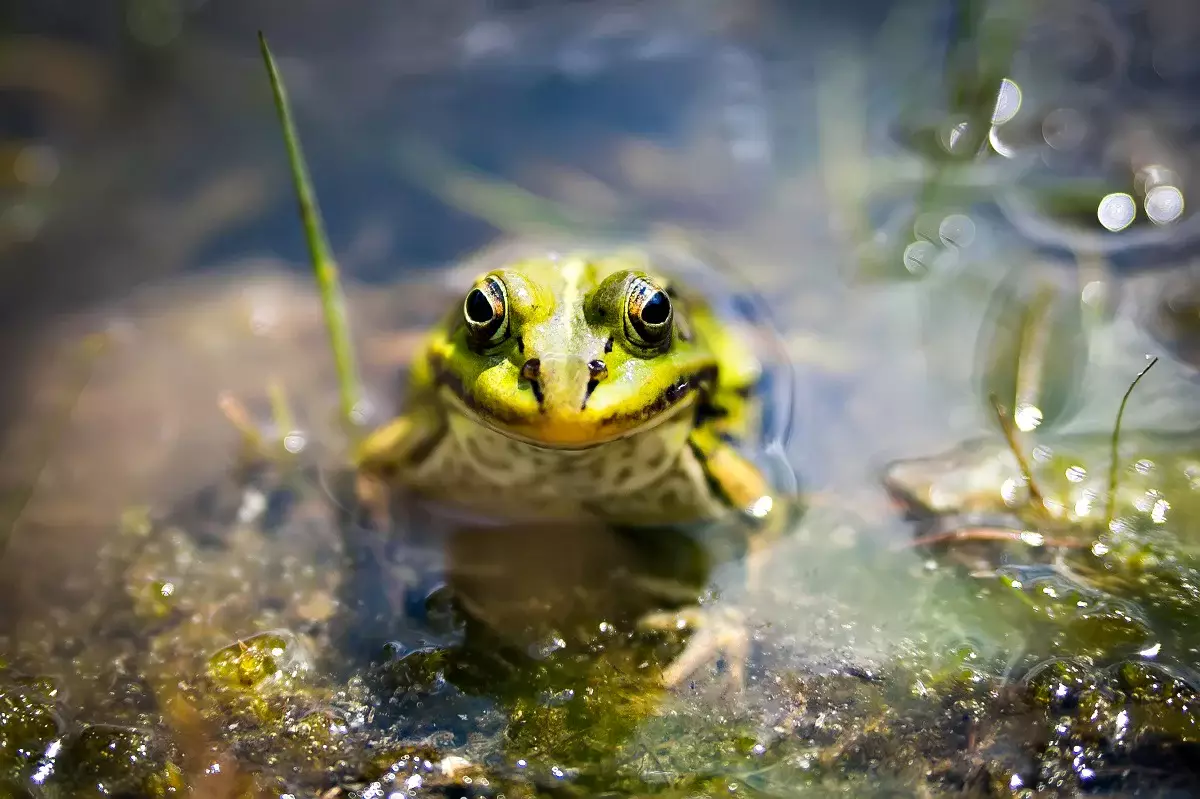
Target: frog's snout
(903,481)
(563,385)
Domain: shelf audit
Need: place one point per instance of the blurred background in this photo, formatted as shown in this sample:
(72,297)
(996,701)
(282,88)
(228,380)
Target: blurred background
(900,179)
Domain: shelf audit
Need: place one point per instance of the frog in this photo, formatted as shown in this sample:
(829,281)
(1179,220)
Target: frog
(590,383)
(979,485)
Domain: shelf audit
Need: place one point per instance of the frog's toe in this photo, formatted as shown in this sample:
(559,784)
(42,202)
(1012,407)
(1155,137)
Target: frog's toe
(719,633)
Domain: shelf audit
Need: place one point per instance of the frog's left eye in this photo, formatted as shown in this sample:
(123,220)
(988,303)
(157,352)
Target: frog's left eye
(485,311)
(648,314)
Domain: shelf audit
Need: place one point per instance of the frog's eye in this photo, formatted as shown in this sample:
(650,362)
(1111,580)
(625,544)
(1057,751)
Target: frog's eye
(648,314)
(485,311)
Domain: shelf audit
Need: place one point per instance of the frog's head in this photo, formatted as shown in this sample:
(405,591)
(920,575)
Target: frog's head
(571,351)
(969,478)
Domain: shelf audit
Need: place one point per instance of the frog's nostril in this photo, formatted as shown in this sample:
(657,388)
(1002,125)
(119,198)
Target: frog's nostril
(597,371)
(531,371)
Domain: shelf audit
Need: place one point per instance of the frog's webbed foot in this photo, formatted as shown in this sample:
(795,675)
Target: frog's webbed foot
(719,633)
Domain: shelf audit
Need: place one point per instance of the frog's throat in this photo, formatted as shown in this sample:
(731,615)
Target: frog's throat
(581,430)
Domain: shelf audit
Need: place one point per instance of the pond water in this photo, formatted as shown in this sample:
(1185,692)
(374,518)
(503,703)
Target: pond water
(891,182)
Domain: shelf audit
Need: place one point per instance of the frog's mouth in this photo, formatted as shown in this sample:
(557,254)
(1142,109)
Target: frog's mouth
(570,428)
(574,430)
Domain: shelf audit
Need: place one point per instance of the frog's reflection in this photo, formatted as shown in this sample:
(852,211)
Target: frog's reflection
(511,589)
(521,584)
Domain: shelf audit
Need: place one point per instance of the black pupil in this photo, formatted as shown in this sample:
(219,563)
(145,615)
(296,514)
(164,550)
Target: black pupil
(656,309)
(479,310)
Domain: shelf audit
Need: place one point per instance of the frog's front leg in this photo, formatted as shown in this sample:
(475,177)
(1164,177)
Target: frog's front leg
(383,461)
(387,452)
(765,516)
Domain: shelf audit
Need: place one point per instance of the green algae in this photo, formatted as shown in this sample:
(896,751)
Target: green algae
(28,725)
(106,760)
(254,662)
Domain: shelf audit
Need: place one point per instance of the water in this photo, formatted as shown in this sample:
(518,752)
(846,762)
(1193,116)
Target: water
(852,164)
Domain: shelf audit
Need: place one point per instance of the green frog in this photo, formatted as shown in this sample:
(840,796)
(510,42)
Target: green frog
(590,385)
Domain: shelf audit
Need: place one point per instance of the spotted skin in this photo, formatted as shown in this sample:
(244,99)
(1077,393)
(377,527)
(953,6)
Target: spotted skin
(651,479)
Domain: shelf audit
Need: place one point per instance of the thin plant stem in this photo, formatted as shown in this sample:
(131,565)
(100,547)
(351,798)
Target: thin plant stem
(281,410)
(324,266)
(1116,440)
(238,416)
(1010,435)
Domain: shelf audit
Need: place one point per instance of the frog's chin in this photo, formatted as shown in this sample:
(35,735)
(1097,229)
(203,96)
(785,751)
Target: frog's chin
(573,430)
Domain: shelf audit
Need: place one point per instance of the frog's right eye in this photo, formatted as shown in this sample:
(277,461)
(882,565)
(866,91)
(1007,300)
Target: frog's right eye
(648,314)
(485,311)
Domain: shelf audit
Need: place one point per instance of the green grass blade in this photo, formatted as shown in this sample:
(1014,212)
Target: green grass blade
(324,266)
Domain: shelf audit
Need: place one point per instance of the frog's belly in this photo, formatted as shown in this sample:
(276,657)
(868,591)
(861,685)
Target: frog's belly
(653,478)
